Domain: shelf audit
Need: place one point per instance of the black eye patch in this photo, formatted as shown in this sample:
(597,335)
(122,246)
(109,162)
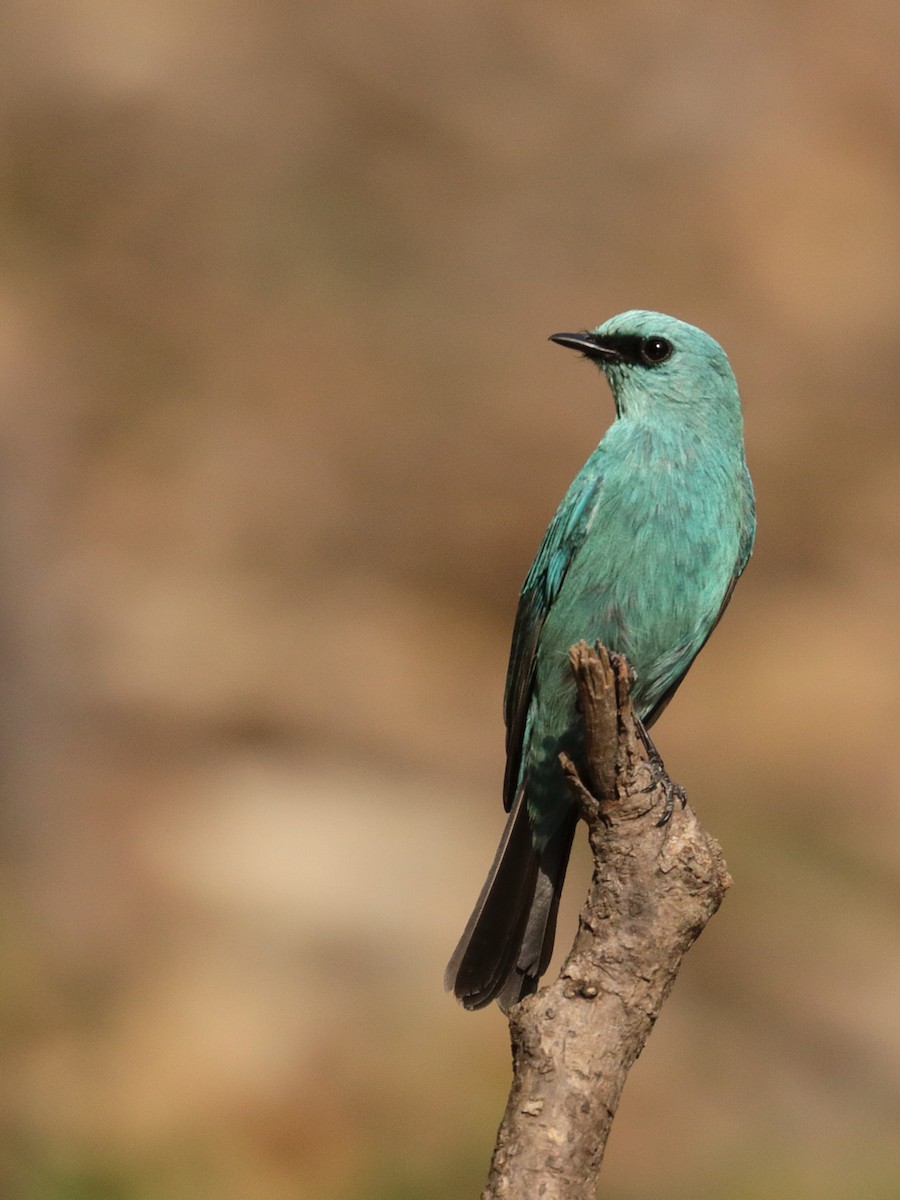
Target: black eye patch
(639,351)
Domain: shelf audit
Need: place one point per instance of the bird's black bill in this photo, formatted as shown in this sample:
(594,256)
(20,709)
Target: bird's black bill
(588,344)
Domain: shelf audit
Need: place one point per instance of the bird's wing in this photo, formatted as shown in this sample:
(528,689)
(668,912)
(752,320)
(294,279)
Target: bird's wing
(561,543)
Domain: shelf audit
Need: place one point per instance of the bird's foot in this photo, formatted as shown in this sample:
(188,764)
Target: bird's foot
(671,793)
(659,779)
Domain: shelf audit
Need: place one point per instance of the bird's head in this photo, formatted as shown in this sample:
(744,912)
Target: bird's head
(657,364)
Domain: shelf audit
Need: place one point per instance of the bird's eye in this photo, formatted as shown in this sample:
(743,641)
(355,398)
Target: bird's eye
(655,350)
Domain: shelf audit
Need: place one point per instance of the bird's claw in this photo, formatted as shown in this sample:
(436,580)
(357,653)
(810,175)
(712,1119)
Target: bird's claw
(672,791)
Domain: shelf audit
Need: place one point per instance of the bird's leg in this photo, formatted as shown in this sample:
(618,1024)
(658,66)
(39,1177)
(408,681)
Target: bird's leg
(673,791)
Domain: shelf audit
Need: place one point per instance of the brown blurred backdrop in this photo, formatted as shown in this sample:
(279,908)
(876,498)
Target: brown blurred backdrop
(280,434)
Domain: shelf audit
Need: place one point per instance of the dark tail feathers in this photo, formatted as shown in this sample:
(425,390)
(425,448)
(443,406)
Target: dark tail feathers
(507,943)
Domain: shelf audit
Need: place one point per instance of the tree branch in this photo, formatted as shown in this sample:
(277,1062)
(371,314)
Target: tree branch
(654,887)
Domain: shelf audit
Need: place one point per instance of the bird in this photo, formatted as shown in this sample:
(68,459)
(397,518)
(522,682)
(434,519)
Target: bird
(642,555)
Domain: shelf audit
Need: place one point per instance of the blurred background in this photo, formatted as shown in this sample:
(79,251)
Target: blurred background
(281,432)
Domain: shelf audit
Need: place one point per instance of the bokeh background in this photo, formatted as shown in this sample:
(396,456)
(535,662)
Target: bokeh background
(280,434)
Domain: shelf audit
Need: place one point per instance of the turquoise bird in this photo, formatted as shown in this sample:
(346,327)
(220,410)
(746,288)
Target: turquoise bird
(643,555)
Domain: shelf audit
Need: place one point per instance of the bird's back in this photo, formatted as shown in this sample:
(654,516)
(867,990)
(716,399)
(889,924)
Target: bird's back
(670,531)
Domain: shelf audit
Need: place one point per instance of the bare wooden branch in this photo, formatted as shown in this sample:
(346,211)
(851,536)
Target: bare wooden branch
(654,887)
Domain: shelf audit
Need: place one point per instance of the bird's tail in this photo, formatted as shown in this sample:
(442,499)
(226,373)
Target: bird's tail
(507,943)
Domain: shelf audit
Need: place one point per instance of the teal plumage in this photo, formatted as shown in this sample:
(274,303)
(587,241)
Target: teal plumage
(643,555)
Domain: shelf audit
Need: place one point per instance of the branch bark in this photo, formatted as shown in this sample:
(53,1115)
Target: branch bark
(654,887)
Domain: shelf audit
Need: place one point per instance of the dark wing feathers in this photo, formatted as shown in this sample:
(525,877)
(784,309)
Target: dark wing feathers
(562,540)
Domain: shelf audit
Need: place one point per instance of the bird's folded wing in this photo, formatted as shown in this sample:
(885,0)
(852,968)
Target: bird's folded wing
(564,537)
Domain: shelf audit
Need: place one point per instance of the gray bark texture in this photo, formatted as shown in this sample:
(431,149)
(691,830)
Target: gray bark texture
(654,887)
